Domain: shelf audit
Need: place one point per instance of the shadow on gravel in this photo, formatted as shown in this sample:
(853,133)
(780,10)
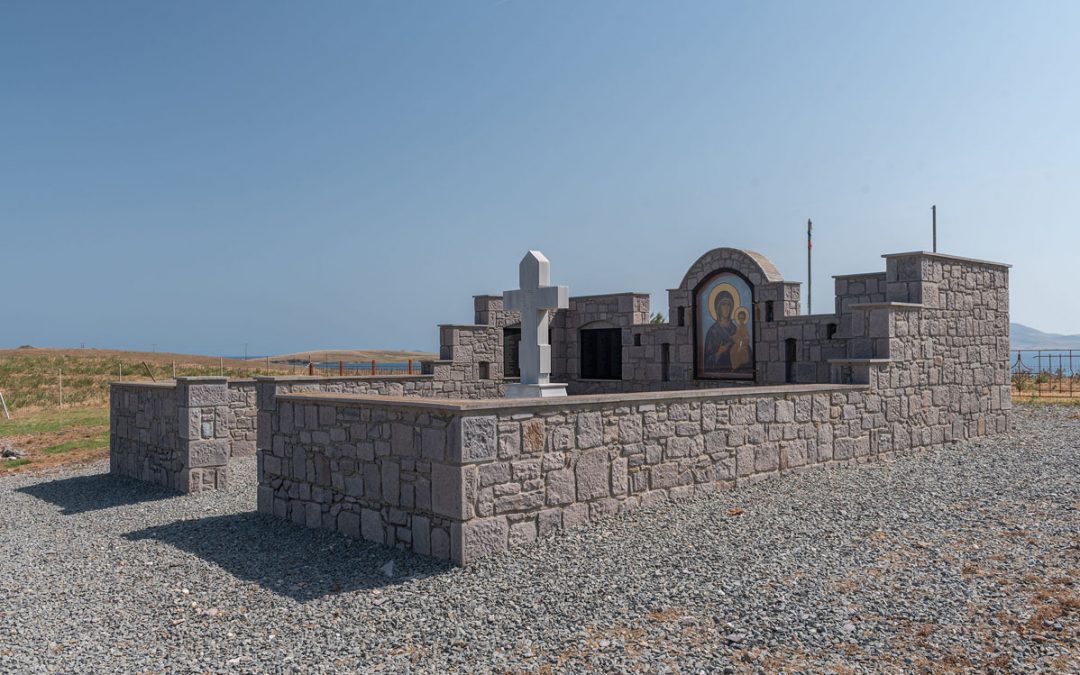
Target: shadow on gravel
(80,494)
(290,560)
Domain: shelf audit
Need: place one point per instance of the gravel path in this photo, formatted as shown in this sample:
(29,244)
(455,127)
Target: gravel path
(963,559)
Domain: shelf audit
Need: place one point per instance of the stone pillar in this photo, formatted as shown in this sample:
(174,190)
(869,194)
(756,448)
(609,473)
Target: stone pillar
(266,388)
(205,442)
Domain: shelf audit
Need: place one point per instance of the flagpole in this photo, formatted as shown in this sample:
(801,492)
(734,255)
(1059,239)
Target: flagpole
(809,276)
(933,217)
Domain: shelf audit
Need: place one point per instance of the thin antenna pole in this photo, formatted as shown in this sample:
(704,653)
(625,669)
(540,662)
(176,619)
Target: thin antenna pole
(809,268)
(933,214)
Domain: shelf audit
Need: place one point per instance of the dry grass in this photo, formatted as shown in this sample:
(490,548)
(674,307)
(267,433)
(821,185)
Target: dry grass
(55,437)
(30,377)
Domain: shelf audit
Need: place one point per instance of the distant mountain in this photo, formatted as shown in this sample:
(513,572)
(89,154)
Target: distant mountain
(1025,337)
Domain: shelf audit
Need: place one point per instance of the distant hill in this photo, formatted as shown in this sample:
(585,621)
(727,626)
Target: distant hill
(1025,337)
(352,355)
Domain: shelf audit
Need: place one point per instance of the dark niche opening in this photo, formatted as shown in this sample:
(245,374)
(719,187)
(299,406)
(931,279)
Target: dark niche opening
(601,353)
(790,352)
(511,345)
(665,362)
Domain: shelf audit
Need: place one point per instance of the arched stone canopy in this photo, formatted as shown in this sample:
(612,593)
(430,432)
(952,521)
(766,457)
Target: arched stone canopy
(756,268)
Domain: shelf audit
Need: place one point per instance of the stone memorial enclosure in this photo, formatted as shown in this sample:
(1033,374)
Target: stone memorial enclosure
(480,453)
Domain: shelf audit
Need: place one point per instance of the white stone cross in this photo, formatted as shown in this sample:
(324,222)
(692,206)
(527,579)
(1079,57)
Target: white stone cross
(535,297)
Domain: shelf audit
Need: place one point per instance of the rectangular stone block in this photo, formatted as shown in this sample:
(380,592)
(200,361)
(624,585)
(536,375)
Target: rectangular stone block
(371,526)
(448,491)
(472,540)
(348,523)
(391,482)
(478,440)
(421,535)
(593,473)
(213,452)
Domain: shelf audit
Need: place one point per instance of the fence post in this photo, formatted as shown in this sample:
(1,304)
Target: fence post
(310,367)
(340,368)
(61,388)
(372,366)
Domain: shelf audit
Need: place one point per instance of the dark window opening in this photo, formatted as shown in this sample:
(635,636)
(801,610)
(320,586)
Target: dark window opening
(830,331)
(601,353)
(485,370)
(511,346)
(665,362)
(768,310)
(789,360)
(637,339)
(682,316)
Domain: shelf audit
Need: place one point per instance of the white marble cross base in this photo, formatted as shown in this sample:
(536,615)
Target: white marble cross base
(515,390)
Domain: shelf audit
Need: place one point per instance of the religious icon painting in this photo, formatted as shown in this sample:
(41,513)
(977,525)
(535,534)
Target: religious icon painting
(724,327)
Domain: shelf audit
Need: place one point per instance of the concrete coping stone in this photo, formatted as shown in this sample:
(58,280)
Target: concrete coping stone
(608,295)
(470,326)
(795,318)
(862,275)
(463,405)
(203,380)
(416,377)
(945,256)
(859,361)
(889,305)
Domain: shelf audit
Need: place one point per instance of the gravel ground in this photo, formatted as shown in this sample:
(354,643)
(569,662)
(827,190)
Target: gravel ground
(963,559)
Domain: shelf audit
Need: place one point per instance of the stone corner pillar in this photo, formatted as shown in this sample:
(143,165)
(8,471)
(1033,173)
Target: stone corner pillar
(205,442)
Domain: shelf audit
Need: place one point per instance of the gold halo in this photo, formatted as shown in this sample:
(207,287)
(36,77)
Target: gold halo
(716,291)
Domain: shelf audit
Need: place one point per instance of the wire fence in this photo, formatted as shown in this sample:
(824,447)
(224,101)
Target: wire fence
(1046,373)
(360,368)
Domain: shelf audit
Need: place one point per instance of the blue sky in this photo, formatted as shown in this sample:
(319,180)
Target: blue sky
(204,175)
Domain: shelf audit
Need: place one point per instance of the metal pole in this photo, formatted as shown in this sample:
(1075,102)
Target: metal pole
(809,276)
(933,213)
(4,403)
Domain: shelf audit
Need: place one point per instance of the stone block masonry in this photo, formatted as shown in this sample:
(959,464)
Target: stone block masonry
(461,479)
(175,434)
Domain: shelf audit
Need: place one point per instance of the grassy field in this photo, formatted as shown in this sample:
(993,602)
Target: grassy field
(30,381)
(30,378)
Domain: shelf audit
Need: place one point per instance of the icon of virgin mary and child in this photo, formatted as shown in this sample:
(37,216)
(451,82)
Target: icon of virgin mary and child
(727,347)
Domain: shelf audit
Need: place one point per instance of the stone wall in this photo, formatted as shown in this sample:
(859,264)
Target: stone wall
(377,472)
(144,436)
(173,434)
(243,417)
(482,476)
(853,289)
(925,367)
(644,344)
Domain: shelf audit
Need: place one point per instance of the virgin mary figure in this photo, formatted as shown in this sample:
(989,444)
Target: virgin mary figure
(721,335)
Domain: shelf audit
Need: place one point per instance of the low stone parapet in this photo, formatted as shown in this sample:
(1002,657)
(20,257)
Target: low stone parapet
(460,479)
